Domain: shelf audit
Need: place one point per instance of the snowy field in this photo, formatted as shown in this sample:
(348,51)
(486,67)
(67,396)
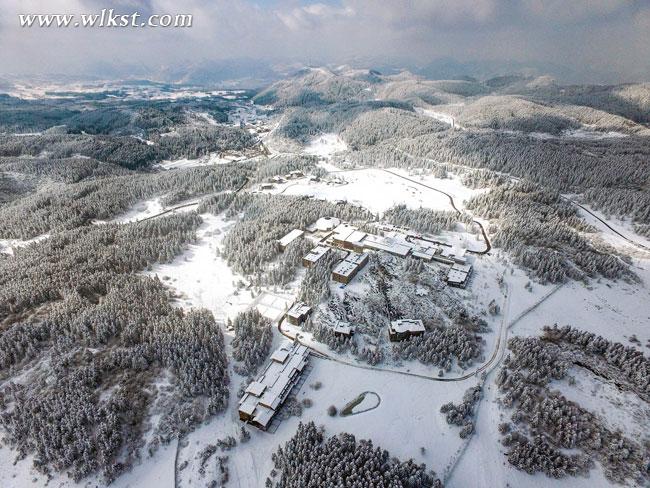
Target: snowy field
(326,145)
(211,159)
(378,190)
(7,246)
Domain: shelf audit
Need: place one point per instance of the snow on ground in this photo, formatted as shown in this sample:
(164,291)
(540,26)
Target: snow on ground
(7,246)
(623,227)
(140,211)
(212,158)
(612,310)
(202,278)
(326,145)
(440,116)
(378,190)
(408,410)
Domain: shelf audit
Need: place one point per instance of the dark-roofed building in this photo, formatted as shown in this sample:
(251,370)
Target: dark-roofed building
(349,267)
(264,396)
(298,313)
(459,275)
(405,328)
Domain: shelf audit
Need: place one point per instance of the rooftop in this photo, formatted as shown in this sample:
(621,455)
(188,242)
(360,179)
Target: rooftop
(342,327)
(264,396)
(290,237)
(407,325)
(299,309)
(388,244)
(343,231)
(316,253)
(346,268)
(327,223)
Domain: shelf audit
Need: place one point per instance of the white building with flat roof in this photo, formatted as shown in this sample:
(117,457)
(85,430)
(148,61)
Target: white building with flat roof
(390,245)
(264,396)
(289,238)
(314,256)
(405,328)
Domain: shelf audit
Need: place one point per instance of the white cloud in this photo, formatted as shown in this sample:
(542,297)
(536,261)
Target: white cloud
(608,34)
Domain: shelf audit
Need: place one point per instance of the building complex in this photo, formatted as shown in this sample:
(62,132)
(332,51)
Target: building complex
(264,396)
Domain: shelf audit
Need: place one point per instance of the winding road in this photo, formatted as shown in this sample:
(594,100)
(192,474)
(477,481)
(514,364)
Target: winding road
(494,360)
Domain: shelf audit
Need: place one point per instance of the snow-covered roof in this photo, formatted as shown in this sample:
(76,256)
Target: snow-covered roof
(345,268)
(459,273)
(457,255)
(407,325)
(342,327)
(290,237)
(388,244)
(464,268)
(356,257)
(425,252)
(274,384)
(327,223)
(316,253)
(356,236)
(280,356)
(343,231)
(299,309)
(256,388)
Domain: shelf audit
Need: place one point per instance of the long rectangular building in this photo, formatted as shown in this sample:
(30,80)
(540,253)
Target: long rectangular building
(264,396)
(388,244)
(289,238)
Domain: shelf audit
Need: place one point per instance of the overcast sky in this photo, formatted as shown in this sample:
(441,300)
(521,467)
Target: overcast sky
(604,35)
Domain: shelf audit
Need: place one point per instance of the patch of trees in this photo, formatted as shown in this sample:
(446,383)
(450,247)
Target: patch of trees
(546,422)
(425,220)
(599,167)
(85,356)
(70,206)
(130,152)
(194,141)
(462,414)
(283,165)
(630,101)
(23,116)
(626,365)
(303,123)
(69,170)
(283,271)
(310,87)
(440,346)
(617,162)
(310,460)
(252,242)
(397,288)
(544,234)
(252,341)
(623,202)
(372,127)
(315,286)
(125,151)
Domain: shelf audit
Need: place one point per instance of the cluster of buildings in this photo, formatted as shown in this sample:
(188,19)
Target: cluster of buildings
(330,233)
(264,396)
